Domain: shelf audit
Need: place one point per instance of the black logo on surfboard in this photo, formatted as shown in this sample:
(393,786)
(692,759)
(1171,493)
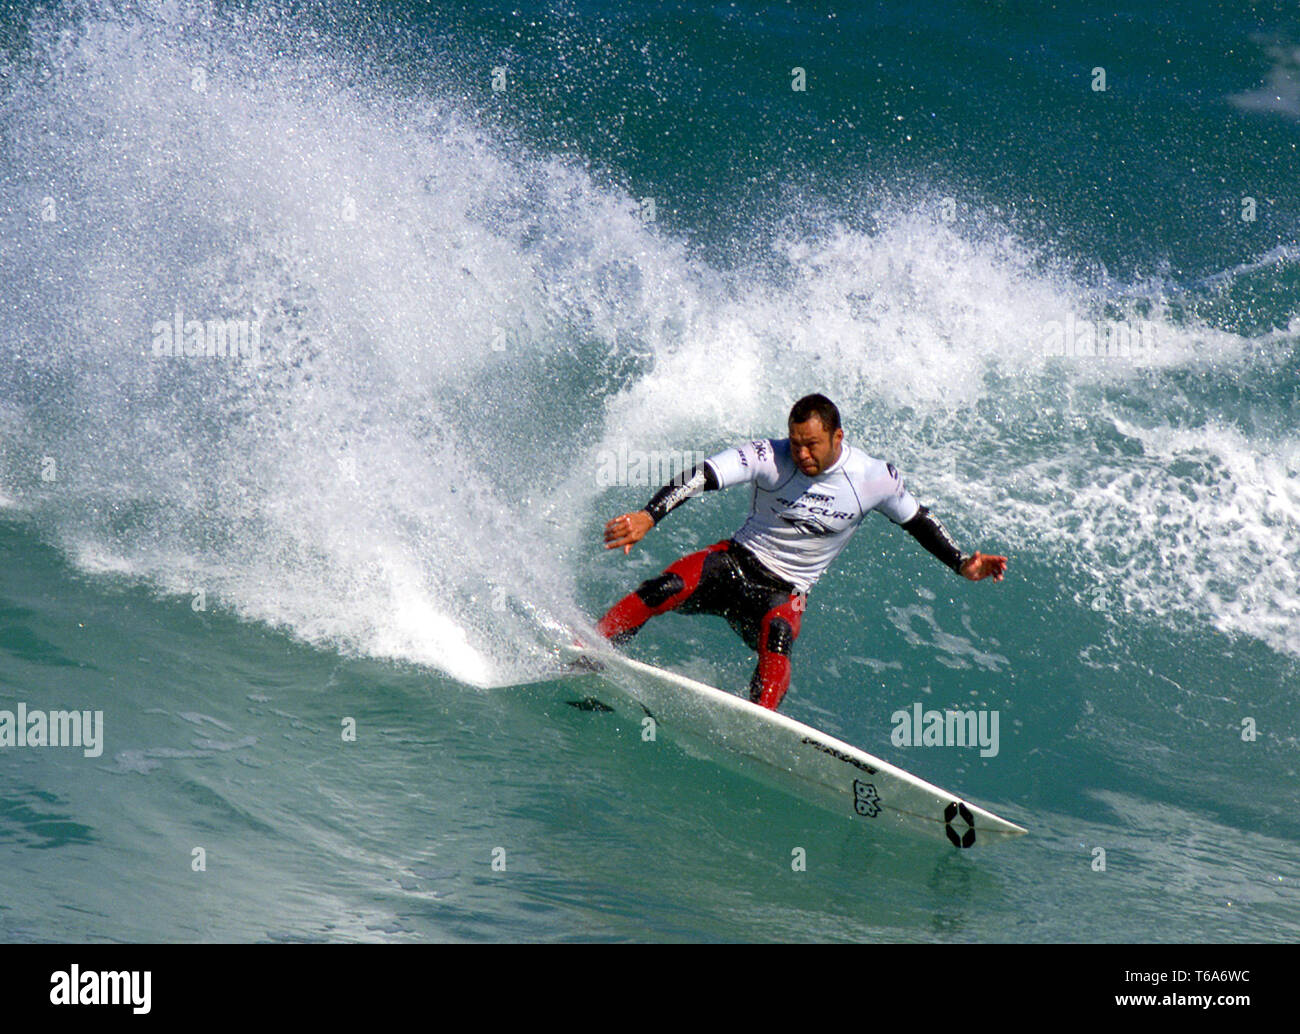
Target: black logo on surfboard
(827,749)
(963,839)
(865,799)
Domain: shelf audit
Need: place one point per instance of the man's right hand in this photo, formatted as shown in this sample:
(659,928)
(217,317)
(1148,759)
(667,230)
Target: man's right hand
(627,530)
(979,566)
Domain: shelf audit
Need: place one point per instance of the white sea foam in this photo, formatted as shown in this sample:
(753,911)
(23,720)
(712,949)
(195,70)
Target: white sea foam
(453,328)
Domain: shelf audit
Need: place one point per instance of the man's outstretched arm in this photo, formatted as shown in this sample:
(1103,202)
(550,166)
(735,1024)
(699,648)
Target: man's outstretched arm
(928,530)
(630,528)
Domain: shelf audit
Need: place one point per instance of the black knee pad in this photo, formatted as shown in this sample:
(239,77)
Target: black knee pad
(656,591)
(780,637)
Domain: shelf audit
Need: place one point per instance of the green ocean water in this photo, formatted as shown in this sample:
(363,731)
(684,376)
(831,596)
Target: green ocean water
(644,241)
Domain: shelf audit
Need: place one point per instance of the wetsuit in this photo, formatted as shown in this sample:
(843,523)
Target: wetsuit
(759,579)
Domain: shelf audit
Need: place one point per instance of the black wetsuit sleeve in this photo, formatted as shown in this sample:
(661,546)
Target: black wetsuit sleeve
(926,528)
(679,489)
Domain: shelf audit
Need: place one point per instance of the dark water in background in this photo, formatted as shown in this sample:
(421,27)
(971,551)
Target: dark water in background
(463,306)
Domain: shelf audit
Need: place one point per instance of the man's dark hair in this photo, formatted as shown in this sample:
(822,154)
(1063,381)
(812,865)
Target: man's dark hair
(819,406)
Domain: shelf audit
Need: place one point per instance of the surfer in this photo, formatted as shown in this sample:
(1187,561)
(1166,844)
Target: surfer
(811,491)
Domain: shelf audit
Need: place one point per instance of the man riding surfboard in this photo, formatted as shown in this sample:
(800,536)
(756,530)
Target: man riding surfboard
(811,491)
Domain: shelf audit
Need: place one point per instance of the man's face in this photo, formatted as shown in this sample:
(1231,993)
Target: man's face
(812,448)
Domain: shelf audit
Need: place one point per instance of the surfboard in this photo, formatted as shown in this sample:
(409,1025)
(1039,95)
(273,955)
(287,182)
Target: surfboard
(786,754)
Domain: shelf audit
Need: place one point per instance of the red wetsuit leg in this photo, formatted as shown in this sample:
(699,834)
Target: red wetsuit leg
(627,616)
(772,676)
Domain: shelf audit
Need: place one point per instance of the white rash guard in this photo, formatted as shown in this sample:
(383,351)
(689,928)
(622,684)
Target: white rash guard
(798,524)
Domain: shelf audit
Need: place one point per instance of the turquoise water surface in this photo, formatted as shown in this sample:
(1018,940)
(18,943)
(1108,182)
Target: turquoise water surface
(478,249)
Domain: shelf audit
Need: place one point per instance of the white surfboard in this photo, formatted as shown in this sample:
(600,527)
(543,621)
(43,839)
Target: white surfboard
(795,757)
